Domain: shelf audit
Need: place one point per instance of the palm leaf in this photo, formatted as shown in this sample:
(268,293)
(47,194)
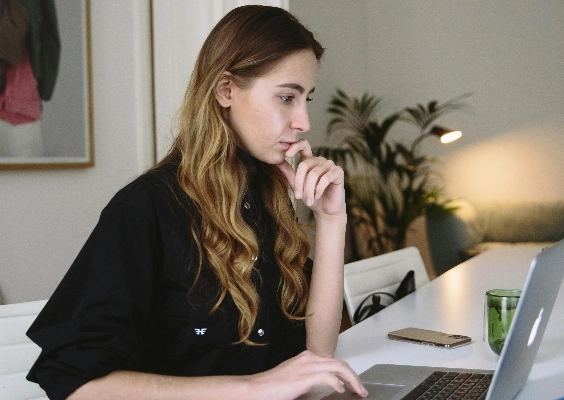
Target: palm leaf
(424,116)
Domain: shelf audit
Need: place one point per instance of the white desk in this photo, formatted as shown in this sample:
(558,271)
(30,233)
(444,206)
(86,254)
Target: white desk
(454,303)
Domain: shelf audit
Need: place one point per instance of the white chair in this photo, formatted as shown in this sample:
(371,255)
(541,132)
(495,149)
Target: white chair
(18,352)
(381,273)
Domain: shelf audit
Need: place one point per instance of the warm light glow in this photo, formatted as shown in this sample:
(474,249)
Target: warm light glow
(451,136)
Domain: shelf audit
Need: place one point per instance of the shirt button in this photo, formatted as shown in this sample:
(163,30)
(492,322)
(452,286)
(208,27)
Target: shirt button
(260,332)
(247,205)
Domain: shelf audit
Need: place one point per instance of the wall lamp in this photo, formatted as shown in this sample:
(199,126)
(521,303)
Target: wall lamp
(446,135)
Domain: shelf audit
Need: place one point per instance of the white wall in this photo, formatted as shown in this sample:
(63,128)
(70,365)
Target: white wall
(508,54)
(45,216)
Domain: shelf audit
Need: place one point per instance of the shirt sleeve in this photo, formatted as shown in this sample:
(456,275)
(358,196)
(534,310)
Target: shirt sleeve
(95,321)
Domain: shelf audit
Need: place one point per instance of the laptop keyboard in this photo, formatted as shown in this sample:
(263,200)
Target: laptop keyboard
(451,385)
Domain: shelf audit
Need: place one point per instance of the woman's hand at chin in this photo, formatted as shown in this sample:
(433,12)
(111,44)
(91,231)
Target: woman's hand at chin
(317,181)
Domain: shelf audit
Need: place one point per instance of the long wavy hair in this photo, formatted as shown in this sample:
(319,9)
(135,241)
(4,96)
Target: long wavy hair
(248,42)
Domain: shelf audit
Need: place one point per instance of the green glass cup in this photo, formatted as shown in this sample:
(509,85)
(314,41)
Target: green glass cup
(500,308)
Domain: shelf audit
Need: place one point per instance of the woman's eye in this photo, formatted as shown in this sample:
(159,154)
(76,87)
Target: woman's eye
(290,99)
(287,99)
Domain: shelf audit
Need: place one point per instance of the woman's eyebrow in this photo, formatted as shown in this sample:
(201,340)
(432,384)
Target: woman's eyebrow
(296,86)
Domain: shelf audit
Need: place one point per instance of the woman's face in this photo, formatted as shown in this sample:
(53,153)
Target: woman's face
(268,115)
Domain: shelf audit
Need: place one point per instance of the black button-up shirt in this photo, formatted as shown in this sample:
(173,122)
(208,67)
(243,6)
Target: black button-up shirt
(125,303)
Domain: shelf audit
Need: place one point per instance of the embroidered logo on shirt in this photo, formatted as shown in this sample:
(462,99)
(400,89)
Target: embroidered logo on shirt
(200,331)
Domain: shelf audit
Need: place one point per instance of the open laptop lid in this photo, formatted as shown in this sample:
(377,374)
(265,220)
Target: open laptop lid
(531,317)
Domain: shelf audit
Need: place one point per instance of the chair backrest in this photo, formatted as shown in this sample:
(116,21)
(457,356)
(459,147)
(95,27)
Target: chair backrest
(381,273)
(18,352)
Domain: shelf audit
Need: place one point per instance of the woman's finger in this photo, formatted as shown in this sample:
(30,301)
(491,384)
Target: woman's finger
(321,176)
(314,175)
(306,179)
(344,372)
(329,371)
(302,146)
(288,172)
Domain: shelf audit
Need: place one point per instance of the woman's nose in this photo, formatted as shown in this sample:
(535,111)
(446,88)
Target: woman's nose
(300,120)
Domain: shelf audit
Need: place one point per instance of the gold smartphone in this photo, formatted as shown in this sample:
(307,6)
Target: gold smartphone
(430,338)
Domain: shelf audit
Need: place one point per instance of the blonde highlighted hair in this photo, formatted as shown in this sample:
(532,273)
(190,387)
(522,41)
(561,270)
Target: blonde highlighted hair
(247,42)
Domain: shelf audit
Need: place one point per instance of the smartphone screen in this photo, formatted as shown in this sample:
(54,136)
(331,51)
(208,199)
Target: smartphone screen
(431,338)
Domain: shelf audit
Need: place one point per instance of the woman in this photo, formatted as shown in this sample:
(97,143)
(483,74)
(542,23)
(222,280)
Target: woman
(195,282)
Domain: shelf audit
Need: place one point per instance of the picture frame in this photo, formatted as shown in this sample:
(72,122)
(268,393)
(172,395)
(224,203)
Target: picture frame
(63,137)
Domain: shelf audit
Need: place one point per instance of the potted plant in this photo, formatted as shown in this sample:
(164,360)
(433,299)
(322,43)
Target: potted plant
(389,184)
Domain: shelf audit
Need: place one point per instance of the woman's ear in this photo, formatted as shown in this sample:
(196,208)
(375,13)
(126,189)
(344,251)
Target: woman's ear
(223,89)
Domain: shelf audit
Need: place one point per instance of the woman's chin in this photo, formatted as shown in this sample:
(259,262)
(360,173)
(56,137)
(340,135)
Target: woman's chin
(274,158)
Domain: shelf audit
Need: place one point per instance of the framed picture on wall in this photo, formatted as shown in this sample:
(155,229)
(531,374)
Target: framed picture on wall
(46,113)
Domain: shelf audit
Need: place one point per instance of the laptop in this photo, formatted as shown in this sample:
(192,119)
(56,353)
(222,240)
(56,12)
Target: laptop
(397,382)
